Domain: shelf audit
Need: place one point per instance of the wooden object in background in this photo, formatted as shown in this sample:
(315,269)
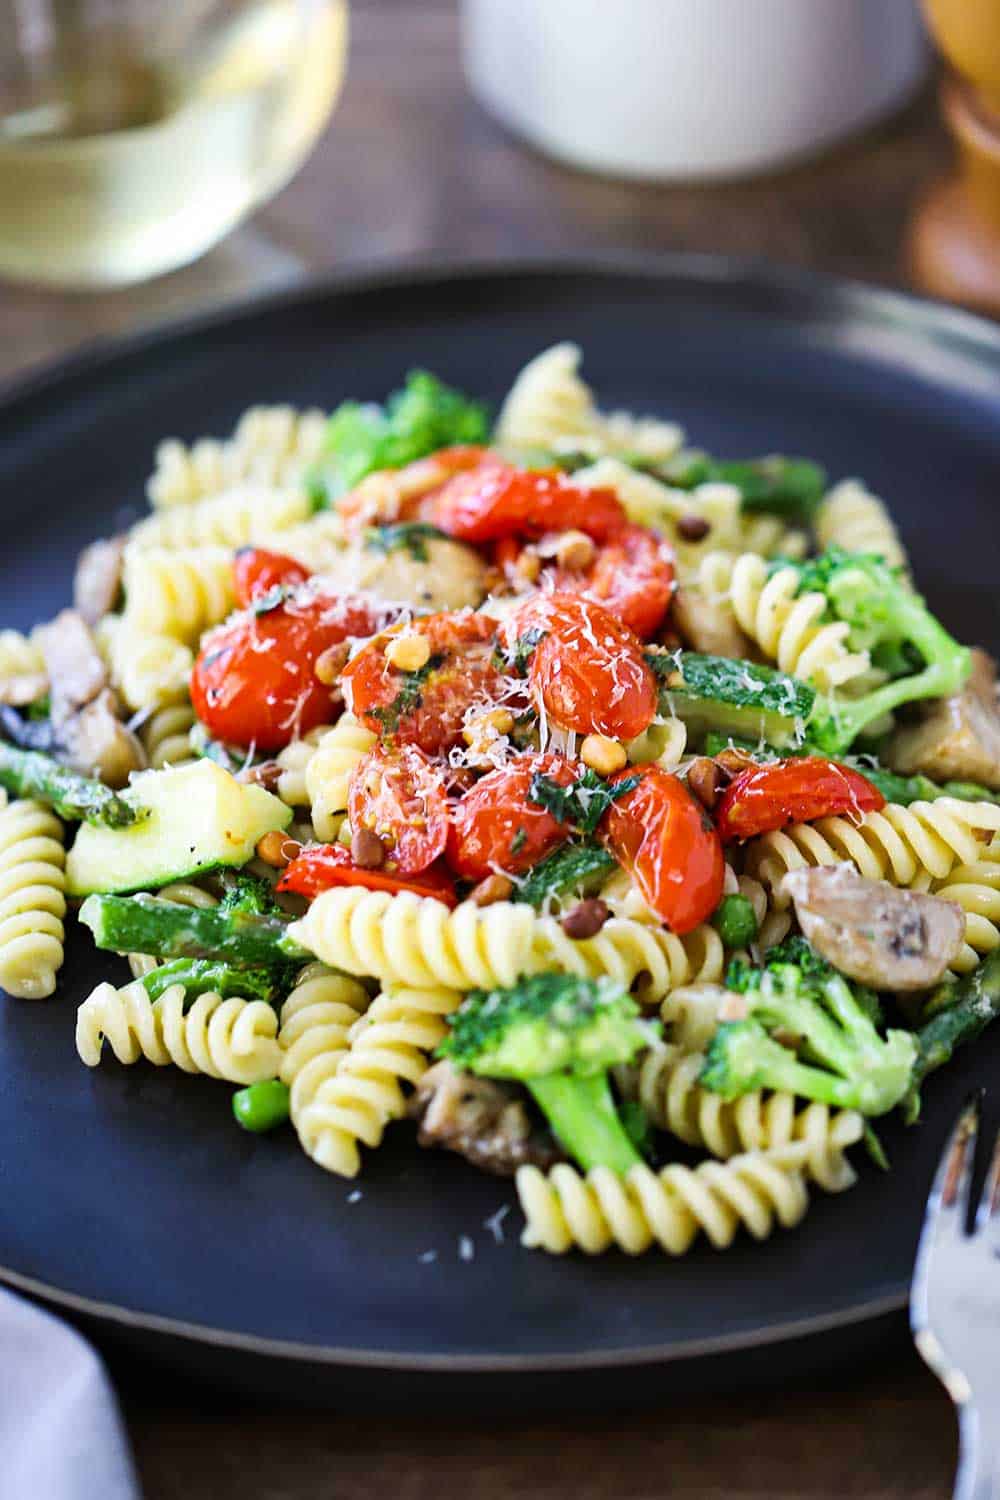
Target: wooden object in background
(954,243)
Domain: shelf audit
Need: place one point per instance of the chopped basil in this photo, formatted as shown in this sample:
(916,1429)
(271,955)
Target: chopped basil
(411,536)
(584,802)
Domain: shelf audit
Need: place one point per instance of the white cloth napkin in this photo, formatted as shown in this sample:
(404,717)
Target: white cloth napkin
(61,1433)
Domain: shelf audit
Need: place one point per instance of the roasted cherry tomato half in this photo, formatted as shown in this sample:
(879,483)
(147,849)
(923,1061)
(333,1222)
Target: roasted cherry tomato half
(797,790)
(426,707)
(587,670)
(324,866)
(497,500)
(400,795)
(254,683)
(496,827)
(391,495)
(632,576)
(257,571)
(659,833)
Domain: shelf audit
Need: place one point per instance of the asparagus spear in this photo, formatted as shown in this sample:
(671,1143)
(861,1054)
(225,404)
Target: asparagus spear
(959,1011)
(199,976)
(29,773)
(146,924)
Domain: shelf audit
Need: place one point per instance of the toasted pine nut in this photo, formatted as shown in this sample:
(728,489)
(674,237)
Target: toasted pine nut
(408,653)
(602,754)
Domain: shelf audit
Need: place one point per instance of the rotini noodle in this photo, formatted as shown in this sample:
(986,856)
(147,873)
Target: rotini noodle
(271,444)
(328,772)
(908,846)
(316,1021)
(293,761)
(388,1047)
(148,670)
(32,903)
(412,940)
(691,1014)
(21,659)
(853,518)
(665,1081)
(234,518)
(166,736)
(668,1208)
(180,594)
(976,888)
(232,1039)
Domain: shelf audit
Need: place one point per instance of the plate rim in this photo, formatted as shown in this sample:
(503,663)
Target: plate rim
(976,335)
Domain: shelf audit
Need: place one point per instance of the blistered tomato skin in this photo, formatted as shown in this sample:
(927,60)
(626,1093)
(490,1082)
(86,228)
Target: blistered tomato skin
(427,707)
(325,866)
(763,799)
(587,670)
(496,828)
(498,500)
(663,837)
(400,795)
(632,577)
(254,682)
(256,571)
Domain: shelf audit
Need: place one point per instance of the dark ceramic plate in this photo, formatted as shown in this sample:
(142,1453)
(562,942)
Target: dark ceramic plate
(127,1195)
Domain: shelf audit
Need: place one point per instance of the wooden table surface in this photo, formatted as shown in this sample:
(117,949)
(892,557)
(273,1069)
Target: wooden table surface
(410,165)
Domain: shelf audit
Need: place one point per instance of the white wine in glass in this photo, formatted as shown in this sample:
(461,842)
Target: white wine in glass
(134,134)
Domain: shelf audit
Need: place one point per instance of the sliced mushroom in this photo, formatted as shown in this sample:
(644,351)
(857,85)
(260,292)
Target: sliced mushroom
(98,579)
(957,738)
(485,1121)
(887,938)
(708,624)
(87,732)
(77,672)
(95,742)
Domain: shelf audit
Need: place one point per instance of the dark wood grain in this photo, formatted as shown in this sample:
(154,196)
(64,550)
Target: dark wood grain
(411,166)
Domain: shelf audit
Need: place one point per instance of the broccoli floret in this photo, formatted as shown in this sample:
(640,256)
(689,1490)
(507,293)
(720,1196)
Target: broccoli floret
(559,1035)
(789,487)
(424,416)
(829,1047)
(895,626)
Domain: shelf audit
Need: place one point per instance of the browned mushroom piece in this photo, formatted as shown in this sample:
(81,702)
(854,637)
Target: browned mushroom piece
(83,710)
(957,738)
(98,580)
(707,624)
(887,938)
(481,1119)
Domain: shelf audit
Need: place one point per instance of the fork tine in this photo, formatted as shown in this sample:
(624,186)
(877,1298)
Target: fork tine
(988,1212)
(947,1205)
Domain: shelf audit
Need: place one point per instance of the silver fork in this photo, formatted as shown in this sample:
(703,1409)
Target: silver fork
(955,1303)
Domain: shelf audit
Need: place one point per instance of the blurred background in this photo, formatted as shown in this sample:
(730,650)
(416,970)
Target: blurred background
(157,159)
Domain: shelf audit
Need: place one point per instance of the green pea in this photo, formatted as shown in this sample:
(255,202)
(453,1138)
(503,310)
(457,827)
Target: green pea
(262,1106)
(735,921)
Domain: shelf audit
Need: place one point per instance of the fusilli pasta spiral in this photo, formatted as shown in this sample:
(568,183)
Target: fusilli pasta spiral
(166,736)
(388,1047)
(668,1208)
(232,1039)
(691,1014)
(316,1020)
(976,888)
(412,940)
(271,444)
(293,761)
(908,846)
(246,513)
(148,670)
(21,658)
(32,903)
(788,627)
(853,518)
(665,1081)
(328,772)
(177,593)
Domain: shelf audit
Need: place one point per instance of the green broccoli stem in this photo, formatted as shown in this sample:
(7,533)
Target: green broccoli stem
(201,976)
(960,1011)
(29,773)
(146,924)
(583,1116)
(835,725)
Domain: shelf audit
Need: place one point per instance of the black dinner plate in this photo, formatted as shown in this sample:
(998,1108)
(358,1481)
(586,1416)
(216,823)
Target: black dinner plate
(127,1195)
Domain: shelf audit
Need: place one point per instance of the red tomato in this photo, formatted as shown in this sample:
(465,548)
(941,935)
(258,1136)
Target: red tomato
(256,571)
(497,500)
(254,684)
(632,576)
(391,495)
(495,826)
(401,795)
(323,866)
(587,671)
(426,710)
(798,790)
(664,838)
